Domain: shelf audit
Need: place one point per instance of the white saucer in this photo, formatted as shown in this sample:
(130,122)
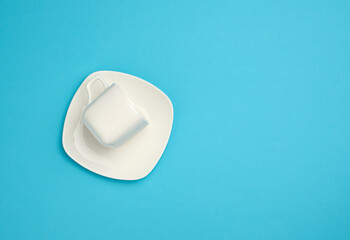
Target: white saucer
(137,157)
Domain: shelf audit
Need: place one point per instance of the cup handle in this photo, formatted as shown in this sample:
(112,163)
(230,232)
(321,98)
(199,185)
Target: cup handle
(88,86)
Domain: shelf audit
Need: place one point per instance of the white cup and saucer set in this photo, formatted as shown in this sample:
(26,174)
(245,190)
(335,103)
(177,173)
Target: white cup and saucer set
(117,125)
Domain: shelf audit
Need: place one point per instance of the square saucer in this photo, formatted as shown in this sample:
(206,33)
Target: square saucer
(137,157)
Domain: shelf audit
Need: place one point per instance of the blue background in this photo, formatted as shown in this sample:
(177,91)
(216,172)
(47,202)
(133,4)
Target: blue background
(260,147)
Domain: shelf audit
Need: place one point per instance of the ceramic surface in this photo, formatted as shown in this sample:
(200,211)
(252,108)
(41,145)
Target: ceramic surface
(112,117)
(135,158)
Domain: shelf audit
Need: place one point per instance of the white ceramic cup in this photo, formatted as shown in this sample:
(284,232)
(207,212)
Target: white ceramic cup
(112,117)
